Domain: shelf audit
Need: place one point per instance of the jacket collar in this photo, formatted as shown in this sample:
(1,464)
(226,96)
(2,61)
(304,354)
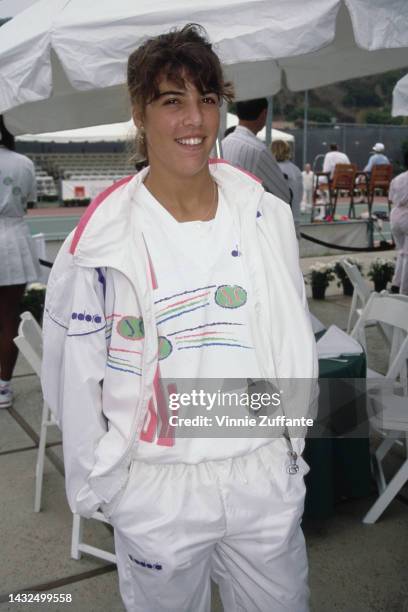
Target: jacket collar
(109,229)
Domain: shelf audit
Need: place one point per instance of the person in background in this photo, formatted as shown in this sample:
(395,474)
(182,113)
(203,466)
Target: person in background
(331,159)
(18,260)
(377,158)
(308,186)
(283,154)
(185,272)
(243,149)
(229,130)
(398,195)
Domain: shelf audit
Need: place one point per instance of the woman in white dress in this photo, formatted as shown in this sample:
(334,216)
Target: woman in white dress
(19,264)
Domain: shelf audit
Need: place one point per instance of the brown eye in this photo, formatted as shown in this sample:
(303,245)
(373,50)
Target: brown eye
(210,100)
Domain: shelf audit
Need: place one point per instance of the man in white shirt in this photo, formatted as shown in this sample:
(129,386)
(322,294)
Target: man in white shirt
(243,149)
(332,158)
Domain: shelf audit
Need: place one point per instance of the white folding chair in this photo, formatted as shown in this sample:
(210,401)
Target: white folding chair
(78,546)
(41,248)
(29,342)
(388,398)
(361,291)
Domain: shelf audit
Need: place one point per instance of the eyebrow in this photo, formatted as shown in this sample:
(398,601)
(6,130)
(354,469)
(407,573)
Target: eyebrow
(181,93)
(171,93)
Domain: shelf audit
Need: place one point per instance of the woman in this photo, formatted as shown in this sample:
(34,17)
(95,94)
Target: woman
(399,227)
(282,153)
(308,178)
(171,275)
(19,264)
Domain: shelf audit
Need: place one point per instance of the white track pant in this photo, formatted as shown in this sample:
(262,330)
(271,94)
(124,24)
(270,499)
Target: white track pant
(236,521)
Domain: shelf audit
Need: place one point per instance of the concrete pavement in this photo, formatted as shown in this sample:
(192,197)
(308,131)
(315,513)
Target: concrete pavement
(353,567)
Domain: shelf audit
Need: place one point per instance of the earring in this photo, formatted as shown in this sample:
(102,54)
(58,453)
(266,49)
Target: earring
(141,135)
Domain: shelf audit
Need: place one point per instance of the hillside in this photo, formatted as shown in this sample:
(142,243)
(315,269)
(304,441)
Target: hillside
(362,100)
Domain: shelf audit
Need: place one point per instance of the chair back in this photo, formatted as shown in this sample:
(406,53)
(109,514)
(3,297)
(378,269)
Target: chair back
(356,278)
(344,176)
(389,310)
(29,341)
(380,177)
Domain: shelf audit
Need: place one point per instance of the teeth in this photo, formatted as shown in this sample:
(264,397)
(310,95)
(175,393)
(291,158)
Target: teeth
(190,141)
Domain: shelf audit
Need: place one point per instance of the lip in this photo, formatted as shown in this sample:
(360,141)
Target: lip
(191,148)
(201,137)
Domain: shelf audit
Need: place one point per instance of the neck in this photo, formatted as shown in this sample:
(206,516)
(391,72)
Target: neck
(252,126)
(185,198)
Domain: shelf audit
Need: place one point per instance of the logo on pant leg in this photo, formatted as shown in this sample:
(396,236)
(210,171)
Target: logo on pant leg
(148,564)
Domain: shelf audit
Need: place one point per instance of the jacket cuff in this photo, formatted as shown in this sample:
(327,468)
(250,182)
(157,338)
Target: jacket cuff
(86,503)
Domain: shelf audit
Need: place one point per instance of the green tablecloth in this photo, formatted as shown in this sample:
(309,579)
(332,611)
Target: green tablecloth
(339,466)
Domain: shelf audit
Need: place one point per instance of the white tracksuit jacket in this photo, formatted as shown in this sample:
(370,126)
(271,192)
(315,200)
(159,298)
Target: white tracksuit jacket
(104,269)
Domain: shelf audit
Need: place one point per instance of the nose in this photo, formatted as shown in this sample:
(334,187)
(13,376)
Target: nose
(193,114)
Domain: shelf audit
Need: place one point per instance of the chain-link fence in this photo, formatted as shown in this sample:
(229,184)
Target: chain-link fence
(356,140)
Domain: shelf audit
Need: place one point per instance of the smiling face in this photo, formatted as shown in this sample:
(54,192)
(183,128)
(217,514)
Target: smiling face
(181,126)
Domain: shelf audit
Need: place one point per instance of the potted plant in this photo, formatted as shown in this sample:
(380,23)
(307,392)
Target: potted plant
(344,280)
(381,272)
(320,276)
(33,300)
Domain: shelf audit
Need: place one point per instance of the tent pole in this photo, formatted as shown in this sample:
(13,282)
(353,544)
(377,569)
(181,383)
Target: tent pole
(269,119)
(222,128)
(305,113)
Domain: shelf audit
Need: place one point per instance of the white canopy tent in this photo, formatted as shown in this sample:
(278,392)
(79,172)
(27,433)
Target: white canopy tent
(120,132)
(400,97)
(114,132)
(63,63)
(276,134)
(9,8)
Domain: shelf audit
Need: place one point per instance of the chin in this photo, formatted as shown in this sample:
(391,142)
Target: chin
(190,168)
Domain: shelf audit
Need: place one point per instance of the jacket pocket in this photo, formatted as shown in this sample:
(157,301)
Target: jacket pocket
(113,506)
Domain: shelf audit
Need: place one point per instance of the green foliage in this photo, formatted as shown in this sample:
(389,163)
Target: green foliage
(33,301)
(339,270)
(381,270)
(347,100)
(382,117)
(387,81)
(320,115)
(77,202)
(320,274)
(361,98)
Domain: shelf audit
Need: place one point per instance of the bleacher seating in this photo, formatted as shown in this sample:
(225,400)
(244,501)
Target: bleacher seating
(51,168)
(46,186)
(73,165)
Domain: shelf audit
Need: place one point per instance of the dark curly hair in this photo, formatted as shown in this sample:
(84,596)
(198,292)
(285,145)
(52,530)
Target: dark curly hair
(177,55)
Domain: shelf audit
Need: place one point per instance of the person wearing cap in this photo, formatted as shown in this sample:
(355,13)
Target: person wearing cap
(378,158)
